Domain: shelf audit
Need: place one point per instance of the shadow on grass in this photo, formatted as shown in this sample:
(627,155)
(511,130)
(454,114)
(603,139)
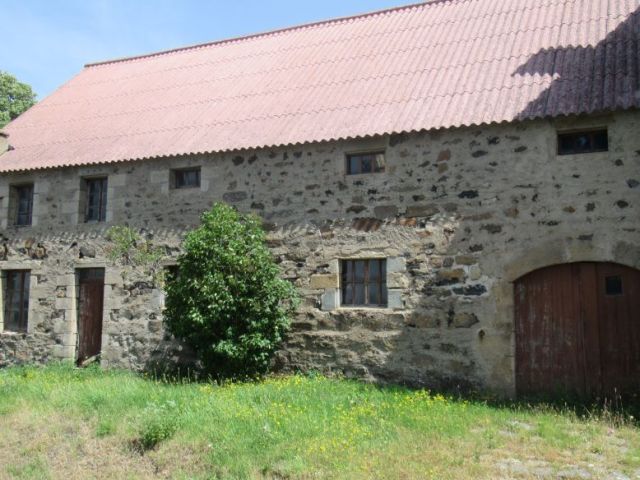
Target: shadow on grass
(615,409)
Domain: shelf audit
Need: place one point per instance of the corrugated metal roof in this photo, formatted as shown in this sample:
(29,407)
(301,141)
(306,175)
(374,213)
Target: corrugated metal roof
(439,64)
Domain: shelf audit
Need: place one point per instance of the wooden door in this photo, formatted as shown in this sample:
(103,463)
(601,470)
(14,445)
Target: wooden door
(90,303)
(619,313)
(578,330)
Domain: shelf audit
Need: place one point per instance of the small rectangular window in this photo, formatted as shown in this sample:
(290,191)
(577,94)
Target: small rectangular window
(369,162)
(186,178)
(364,282)
(16,300)
(583,142)
(613,285)
(21,199)
(95,199)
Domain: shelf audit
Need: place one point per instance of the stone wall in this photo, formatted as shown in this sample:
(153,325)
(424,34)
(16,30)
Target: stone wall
(459,214)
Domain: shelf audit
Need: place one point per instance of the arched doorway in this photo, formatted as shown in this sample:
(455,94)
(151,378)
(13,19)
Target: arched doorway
(578,330)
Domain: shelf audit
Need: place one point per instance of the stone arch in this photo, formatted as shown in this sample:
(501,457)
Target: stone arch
(583,312)
(547,253)
(570,251)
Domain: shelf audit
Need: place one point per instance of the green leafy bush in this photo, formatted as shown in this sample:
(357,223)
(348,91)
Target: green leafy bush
(228,301)
(128,248)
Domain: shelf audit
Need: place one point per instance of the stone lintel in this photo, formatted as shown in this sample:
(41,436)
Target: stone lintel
(319,281)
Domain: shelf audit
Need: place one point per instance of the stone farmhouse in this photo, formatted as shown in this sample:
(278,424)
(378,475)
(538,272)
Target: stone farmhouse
(453,186)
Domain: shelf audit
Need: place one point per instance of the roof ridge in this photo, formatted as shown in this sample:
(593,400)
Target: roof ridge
(268,32)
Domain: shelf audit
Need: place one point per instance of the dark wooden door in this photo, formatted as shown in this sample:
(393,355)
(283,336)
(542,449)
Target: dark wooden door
(90,303)
(578,330)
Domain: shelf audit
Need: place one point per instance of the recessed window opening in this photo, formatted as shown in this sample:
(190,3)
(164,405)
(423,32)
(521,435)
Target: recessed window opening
(365,162)
(16,300)
(96,199)
(185,178)
(583,142)
(364,282)
(22,199)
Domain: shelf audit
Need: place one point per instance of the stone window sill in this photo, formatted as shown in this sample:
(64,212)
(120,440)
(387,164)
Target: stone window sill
(367,309)
(10,333)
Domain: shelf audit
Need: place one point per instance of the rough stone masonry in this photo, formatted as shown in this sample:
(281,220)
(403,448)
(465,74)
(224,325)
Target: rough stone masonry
(459,214)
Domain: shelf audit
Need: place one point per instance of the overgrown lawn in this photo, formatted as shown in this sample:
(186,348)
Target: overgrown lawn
(62,422)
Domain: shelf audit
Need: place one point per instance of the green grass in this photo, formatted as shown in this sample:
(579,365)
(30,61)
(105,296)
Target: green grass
(61,422)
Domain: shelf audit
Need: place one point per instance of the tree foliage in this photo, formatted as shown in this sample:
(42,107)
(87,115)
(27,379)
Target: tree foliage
(15,98)
(228,301)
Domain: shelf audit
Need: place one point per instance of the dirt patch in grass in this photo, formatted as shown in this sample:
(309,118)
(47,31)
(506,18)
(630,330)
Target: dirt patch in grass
(39,446)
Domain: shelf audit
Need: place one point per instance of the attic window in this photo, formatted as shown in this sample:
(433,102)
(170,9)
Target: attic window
(583,142)
(185,178)
(21,201)
(365,162)
(95,201)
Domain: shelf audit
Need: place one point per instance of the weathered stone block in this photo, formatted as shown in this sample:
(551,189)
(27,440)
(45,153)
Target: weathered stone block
(159,176)
(424,319)
(385,211)
(112,277)
(421,211)
(492,228)
(474,272)
(64,303)
(397,280)
(64,326)
(334,266)
(234,197)
(444,155)
(118,180)
(471,290)
(329,299)
(466,260)
(323,281)
(464,320)
(63,352)
(448,277)
(396,264)
(394,298)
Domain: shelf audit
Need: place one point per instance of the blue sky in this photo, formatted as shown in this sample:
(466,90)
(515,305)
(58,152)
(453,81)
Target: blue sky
(46,42)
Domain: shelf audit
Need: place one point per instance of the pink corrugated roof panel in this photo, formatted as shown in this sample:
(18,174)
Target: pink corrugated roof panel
(435,65)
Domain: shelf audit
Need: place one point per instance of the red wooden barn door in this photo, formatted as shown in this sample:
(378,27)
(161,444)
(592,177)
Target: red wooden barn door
(619,313)
(90,303)
(578,330)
